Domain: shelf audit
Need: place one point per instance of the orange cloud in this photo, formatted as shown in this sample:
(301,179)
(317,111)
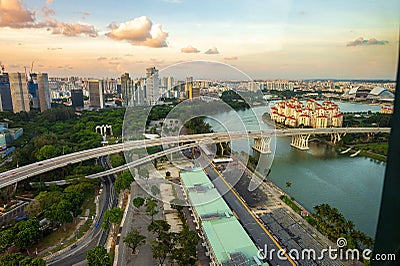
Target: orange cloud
(14,14)
(361,41)
(231,58)
(212,50)
(139,31)
(74,29)
(189,50)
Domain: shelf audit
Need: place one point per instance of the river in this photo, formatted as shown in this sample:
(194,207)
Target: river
(319,175)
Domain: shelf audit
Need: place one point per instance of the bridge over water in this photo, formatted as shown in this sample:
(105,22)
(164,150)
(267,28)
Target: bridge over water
(262,140)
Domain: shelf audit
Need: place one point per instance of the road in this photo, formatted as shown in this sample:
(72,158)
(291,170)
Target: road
(256,230)
(98,236)
(23,172)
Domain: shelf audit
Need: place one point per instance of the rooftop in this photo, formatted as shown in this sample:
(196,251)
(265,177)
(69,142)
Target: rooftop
(228,239)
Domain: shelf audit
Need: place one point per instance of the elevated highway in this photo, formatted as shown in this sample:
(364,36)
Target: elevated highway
(262,137)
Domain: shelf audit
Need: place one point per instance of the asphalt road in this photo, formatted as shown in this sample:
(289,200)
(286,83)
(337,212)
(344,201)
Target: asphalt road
(250,223)
(98,236)
(18,174)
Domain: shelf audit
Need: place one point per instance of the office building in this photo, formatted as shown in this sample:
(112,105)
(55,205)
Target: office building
(191,90)
(152,93)
(96,94)
(77,98)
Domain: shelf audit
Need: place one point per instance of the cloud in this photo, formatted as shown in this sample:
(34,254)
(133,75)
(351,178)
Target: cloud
(74,29)
(212,50)
(14,14)
(360,41)
(139,31)
(48,11)
(54,48)
(85,14)
(49,2)
(231,58)
(189,49)
(101,58)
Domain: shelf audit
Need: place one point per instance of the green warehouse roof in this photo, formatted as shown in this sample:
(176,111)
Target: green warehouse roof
(224,232)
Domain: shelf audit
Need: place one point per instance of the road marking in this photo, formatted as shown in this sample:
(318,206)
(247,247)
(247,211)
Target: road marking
(251,213)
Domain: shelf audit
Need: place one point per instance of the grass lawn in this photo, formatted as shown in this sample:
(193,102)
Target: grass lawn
(54,237)
(59,235)
(291,204)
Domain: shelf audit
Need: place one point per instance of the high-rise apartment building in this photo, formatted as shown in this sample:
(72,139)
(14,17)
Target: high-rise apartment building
(96,94)
(19,92)
(43,91)
(126,88)
(38,88)
(5,93)
(152,93)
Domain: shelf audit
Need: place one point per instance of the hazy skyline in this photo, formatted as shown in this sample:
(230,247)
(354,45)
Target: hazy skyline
(265,39)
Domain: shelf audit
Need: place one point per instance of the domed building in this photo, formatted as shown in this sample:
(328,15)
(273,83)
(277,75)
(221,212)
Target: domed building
(380,94)
(367,93)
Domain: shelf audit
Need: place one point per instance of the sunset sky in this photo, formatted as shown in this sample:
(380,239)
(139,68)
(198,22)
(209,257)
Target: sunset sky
(265,39)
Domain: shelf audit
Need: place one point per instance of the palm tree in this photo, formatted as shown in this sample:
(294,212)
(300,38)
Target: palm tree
(288,185)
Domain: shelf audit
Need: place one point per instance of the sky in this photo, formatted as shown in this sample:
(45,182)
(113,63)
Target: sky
(266,39)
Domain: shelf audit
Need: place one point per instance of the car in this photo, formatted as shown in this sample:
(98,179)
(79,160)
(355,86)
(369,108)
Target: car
(73,246)
(39,164)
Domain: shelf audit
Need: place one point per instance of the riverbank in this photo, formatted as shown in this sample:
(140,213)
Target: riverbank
(366,152)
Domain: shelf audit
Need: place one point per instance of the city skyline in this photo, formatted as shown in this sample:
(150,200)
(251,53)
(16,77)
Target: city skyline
(268,40)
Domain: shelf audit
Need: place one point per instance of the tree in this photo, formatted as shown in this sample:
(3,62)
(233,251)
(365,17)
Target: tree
(98,256)
(168,174)
(46,152)
(151,208)
(289,185)
(138,202)
(134,239)
(26,233)
(60,212)
(159,227)
(113,217)
(123,181)
(160,251)
(6,239)
(19,259)
(184,252)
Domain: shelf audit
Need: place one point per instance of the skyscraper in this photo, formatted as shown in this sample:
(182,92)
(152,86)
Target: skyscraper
(77,98)
(43,91)
(191,90)
(5,93)
(170,83)
(96,94)
(38,88)
(152,92)
(126,88)
(19,92)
